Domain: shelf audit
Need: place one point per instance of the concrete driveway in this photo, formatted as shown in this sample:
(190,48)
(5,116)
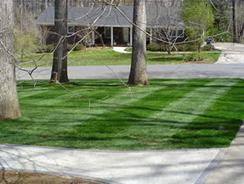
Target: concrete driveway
(141,167)
(232,53)
(231,166)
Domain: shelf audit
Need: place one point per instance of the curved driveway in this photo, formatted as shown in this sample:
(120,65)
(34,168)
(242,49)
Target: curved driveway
(232,53)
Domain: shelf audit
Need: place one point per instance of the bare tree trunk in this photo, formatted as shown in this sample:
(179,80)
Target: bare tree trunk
(46,4)
(77,3)
(59,68)
(235,39)
(138,73)
(9,106)
(241,32)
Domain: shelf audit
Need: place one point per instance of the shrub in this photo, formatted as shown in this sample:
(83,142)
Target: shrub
(50,48)
(184,47)
(80,47)
(76,47)
(208,48)
(128,49)
(25,42)
(26,32)
(193,57)
(46,48)
(154,47)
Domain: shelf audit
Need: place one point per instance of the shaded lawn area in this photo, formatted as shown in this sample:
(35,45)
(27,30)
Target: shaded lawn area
(108,57)
(104,114)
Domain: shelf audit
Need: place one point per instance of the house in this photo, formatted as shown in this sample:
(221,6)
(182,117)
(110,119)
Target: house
(110,25)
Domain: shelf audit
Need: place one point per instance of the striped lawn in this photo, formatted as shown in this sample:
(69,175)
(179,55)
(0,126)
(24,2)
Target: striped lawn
(104,114)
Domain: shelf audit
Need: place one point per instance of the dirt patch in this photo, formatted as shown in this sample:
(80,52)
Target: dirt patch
(35,178)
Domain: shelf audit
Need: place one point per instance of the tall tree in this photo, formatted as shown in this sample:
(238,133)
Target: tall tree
(198,19)
(222,12)
(9,106)
(59,68)
(138,72)
(239,20)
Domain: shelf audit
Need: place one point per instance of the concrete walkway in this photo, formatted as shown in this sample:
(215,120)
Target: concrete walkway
(121,50)
(232,53)
(155,71)
(230,169)
(143,167)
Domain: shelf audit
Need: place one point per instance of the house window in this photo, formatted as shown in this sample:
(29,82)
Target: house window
(177,33)
(107,32)
(180,33)
(173,34)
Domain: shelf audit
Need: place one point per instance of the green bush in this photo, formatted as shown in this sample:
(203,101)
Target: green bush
(46,48)
(193,57)
(129,49)
(80,47)
(26,33)
(154,47)
(220,35)
(50,48)
(208,48)
(76,47)
(25,42)
(184,47)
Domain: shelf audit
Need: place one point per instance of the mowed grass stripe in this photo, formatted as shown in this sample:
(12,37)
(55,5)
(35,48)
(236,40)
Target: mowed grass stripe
(195,103)
(132,126)
(182,112)
(113,128)
(53,121)
(178,114)
(27,94)
(70,96)
(116,95)
(81,115)
(217,126)
(30,90)
(124,98)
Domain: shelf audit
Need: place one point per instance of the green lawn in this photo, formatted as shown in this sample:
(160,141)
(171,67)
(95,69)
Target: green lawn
(104,114)
(108,57)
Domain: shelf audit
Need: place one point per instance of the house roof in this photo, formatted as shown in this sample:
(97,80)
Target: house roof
(121,16)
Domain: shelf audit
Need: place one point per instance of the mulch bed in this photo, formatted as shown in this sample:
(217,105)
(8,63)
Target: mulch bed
(10,177)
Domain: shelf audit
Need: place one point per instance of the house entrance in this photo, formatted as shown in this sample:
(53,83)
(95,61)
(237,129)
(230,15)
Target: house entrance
(121,36)
(113,36)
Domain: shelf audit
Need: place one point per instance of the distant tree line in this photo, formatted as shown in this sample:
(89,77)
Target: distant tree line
(37,6)
(229,16)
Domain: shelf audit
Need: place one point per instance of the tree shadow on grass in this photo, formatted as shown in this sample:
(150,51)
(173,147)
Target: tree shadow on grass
(130,126)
